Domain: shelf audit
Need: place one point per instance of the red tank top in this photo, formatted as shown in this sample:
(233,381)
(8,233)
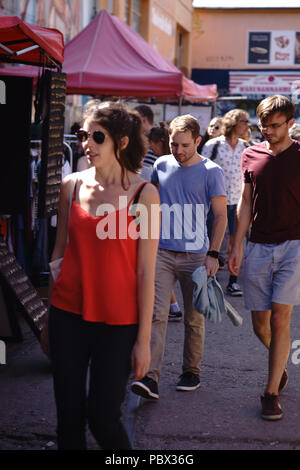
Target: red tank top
(98,278)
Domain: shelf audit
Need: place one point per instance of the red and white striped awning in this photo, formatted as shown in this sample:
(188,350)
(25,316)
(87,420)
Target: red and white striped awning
(263,83)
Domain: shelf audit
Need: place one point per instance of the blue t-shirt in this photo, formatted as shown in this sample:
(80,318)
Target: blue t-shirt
(185,194)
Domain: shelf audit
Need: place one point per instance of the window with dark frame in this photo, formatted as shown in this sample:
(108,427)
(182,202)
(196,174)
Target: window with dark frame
(133,14)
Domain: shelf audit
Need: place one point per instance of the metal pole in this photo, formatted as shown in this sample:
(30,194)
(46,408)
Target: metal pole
(214,108)
(180,106)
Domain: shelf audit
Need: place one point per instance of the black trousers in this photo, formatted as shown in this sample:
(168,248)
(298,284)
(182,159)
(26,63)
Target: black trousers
(76,346)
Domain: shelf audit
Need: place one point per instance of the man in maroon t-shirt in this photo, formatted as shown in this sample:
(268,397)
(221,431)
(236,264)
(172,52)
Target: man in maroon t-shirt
(270,202)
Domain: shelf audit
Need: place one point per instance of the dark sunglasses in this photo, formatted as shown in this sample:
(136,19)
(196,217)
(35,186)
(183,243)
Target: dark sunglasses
(83,136)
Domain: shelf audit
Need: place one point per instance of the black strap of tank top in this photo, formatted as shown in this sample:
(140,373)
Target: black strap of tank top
(136,199)
(137,196)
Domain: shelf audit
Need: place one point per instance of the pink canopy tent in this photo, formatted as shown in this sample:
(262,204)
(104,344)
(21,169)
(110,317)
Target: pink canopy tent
(109,58)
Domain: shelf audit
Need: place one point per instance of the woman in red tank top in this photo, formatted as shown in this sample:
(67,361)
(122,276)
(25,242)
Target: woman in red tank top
(102,301)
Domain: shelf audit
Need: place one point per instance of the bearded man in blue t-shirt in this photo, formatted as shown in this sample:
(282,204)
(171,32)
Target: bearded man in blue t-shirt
(188,185)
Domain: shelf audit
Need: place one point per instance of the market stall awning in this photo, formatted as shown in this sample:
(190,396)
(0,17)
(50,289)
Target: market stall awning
(258,84)
(20,71)
(24,43)
(109,58)
(191,91)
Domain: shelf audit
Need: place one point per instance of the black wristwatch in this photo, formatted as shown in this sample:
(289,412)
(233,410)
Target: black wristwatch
(213,254)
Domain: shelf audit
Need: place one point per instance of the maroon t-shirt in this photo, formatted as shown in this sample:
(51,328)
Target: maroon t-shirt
(275,181)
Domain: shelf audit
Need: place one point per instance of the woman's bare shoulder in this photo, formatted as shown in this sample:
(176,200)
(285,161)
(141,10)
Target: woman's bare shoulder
(149,194)
(79,176)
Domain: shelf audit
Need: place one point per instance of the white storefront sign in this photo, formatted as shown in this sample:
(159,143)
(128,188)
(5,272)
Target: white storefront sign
(263,83)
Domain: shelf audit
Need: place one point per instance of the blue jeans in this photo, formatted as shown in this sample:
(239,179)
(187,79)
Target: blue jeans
(76,346)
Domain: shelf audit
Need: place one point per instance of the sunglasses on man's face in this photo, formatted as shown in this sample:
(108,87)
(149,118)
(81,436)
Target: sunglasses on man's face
(98,136)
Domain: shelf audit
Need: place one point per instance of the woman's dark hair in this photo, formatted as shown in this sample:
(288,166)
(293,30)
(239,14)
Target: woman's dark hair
(205,138)
(75,128)
(120,121)
(160,134)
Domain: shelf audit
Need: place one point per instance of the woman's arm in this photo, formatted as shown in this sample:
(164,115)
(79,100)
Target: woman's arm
(63,217)
(147,251)
(62,222)
(60,244)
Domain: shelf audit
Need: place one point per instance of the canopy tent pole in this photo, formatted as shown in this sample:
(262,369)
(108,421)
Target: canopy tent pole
(180,106)
(22,43)
(214,108)
(6,49)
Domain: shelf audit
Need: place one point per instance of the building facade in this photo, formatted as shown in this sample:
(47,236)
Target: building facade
(248,52)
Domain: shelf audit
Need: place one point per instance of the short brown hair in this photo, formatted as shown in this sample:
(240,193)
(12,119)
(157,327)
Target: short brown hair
(184,123)
(145,111)
(275,104)
(231,119)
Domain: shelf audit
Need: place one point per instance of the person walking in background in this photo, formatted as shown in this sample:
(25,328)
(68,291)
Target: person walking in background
(294,132)
(147,117)
(270,201)
(101,304)
(78,153)
(159,140)
(226,150)
(214,129)
(188,184)
(159,144)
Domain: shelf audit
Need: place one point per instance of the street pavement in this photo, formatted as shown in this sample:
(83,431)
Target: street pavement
(223,414)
